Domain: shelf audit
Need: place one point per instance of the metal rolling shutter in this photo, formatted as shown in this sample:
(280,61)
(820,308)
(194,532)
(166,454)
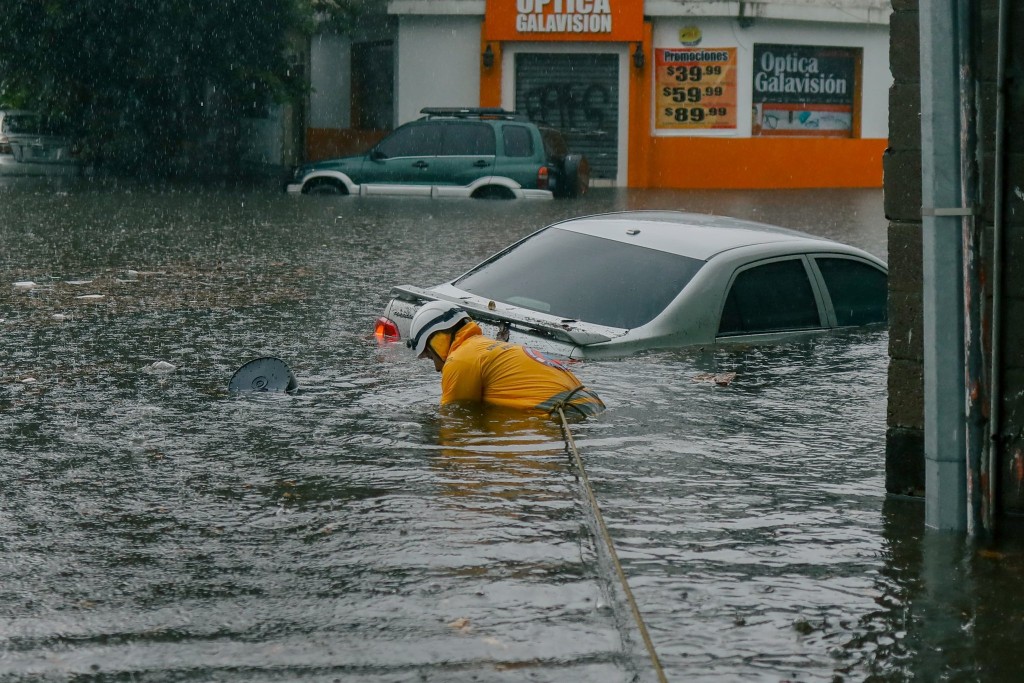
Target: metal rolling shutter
(579,95)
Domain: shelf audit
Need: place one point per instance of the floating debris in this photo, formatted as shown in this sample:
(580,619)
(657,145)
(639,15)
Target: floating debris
(803,627)
(161,366)
(28,380)
(79,282)
(91,297)
(722,379)
(460,624)
(263,374)
(25,284)
(59,317)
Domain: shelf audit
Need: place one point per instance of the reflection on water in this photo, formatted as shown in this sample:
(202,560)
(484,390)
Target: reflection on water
(154,527)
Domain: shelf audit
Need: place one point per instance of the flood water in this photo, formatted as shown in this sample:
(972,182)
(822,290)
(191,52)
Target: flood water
(155,528)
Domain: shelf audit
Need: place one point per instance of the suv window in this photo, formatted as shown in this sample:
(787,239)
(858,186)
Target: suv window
(518,141)
(858,290)
(615,284)
(413,140)
(770,298)
(467,139)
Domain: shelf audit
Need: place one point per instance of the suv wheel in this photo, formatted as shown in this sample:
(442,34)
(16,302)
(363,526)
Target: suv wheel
(323,186)
(493,192)
(577,175)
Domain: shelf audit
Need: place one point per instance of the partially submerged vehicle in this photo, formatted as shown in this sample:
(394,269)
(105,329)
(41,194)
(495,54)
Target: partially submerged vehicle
(478,153)
(618,283)
(30,145)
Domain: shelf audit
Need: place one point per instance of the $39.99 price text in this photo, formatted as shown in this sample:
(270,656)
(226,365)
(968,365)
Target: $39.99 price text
(693,73)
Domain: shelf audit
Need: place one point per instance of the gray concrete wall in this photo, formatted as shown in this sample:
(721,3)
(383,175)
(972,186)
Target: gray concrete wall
(902,164)
(904,462)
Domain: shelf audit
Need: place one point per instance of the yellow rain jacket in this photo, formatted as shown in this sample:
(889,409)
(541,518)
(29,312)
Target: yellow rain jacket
(479,368)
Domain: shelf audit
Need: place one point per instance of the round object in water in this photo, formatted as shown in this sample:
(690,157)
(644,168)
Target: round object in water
(264,374)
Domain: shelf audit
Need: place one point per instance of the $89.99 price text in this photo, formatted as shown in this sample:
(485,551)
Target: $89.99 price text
(694,114)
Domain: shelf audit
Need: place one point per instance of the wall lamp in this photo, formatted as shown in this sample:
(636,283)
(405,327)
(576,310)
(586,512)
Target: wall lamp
(488,57)
(638,56)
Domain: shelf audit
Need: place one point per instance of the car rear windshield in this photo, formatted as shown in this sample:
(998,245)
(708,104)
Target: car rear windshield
(582,277)
(555,146)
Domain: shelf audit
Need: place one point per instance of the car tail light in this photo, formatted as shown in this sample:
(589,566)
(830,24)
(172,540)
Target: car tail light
(386,330)
(542,178)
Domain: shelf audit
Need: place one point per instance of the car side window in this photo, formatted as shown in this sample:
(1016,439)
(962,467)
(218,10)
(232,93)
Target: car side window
(518,141)
(468,140)
(418,140)
(858,290)
(774,297)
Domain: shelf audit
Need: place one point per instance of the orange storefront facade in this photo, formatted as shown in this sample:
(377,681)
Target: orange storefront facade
(664,94)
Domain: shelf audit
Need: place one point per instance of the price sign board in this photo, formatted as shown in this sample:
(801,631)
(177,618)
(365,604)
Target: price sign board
(695,88)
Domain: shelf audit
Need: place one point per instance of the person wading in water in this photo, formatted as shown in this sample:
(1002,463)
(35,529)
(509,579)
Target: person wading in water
(475,368)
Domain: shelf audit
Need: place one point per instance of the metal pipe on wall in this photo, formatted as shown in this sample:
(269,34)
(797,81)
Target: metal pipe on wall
(973,290)
(998,200)
(942,295)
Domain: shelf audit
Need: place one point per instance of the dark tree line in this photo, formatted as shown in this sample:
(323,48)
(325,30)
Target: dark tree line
(143,82)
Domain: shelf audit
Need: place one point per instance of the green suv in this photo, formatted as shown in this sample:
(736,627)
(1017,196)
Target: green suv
(480,153)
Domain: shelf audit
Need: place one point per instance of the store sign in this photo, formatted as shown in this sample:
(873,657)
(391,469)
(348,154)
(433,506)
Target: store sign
(690,36)
(563,20)
(695,88)
(804,90)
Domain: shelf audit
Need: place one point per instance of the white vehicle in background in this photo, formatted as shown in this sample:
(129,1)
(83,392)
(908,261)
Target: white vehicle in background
(618,283)
(30,146)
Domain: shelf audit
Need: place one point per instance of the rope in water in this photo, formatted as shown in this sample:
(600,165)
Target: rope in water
(578,462)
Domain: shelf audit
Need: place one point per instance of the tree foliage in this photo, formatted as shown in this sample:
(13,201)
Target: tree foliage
(145,81)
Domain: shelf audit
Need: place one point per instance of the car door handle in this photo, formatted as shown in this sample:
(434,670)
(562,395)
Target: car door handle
(420,164)
(481,163)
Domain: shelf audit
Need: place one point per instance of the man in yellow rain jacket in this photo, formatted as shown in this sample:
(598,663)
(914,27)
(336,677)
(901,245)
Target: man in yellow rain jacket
(475,368)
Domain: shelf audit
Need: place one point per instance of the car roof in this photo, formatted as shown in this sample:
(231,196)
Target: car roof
(698,236)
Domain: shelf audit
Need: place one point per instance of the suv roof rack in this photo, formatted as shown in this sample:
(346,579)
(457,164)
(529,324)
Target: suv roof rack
(472,113)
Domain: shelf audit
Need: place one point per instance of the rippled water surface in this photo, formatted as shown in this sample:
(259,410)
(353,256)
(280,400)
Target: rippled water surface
(155,528)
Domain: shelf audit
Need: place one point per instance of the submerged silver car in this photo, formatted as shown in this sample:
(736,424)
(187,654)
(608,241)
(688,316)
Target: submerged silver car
(30,146)
(617,283)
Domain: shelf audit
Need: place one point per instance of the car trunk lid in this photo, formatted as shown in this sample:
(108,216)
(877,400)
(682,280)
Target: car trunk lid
(501,315)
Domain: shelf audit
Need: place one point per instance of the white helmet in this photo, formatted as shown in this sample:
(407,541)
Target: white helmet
(432,317)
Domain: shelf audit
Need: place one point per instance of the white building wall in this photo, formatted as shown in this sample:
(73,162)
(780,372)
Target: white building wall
(330,102)
(263,138)
(438,64)
(723,32)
